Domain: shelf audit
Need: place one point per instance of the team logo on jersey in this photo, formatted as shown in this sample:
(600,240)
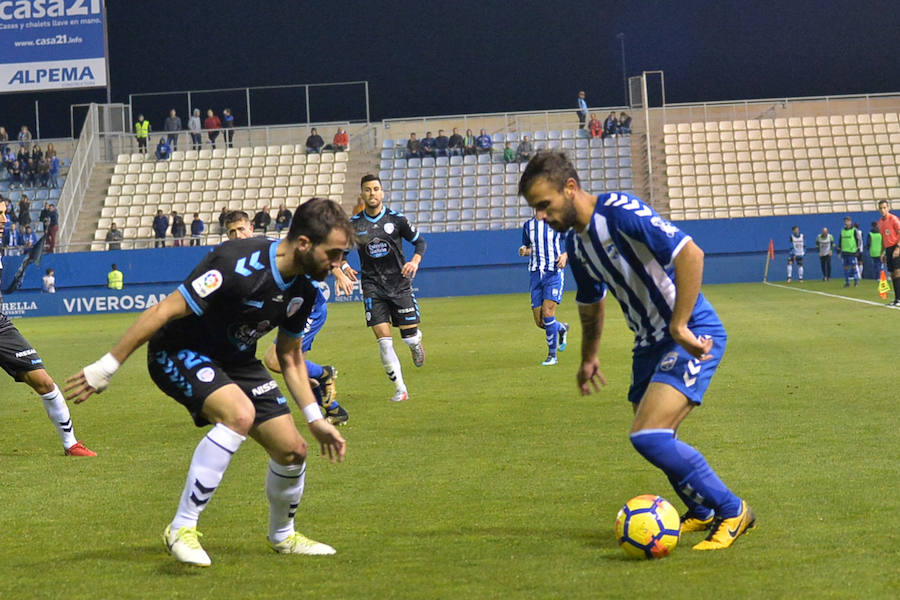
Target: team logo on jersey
(664,225)
(293,306)
(668,361)
(207,283)
(377,248)
(206,374)
(389,228)
(326,291)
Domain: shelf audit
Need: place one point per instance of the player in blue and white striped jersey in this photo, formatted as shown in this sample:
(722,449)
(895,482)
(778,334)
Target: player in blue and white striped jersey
(546,267)
(654,270)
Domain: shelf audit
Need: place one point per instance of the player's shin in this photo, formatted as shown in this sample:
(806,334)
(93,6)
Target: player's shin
(58,411)
(284,489)
(211,458)
(390,362)
(551,329)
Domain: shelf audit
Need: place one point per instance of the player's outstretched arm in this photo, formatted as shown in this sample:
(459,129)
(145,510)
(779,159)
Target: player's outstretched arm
(589,376)
(293,368)
(688,279)
(344,278)
(95,377)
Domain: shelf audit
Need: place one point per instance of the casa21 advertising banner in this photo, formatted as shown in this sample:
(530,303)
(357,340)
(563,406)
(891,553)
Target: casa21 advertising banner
(51,45)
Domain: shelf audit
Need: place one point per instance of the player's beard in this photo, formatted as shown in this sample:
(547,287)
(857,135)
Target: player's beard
(567,219)
(312,267)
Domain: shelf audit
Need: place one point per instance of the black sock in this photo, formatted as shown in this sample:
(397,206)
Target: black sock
(896,281)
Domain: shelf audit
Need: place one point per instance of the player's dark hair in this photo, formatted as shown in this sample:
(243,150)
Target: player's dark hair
(235,215)
(315,219)
(553,166)
(882,201)
(367,178)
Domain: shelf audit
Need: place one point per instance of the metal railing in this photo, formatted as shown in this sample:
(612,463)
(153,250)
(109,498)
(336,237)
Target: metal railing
(87,153)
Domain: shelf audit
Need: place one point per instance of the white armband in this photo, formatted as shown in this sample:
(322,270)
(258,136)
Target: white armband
(312,412)
(98,374)
(345,266)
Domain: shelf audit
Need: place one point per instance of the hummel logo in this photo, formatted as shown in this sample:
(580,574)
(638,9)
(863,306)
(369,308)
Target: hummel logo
(278,298)
(391,376)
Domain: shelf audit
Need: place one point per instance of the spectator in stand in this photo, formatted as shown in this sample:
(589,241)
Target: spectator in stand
(456,144)
(50,149)
(50,218)
(222,216)
(114,238)
(441,144)
(142,133)
(163,150)
(484,144)
(29,237)
(54,170)
(15,175)
(469,142)
(24,210)
(341,140)
(212,124)
(9,157)
(179,229)
(624,123)
(25,138)
(195,127)
(227,126)
(509,155)
(48,282)
(23,156)
(611,125)
(282,219)
(13,239)
(160,226)
(314,142)
(36,153)
(413,147)
(172,127)
(197,227)
(4,140)
(43,172)
(427,146)
(595,127)
(582,109)
(525,150)
(30,174)
(262,220)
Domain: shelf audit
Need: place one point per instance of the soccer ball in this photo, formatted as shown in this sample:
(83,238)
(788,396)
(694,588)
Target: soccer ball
(648,527)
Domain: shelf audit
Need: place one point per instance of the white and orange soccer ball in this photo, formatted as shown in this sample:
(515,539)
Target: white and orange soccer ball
(648,527)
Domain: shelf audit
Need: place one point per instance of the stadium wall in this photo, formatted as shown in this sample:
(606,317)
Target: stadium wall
(456,264)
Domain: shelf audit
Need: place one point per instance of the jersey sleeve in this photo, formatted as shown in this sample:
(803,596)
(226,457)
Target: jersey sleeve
(210,280)
(640,222)
(526,239)
(589,290)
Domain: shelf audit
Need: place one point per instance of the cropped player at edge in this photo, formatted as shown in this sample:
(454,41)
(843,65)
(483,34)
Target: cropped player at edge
(655,271)
(387,279)
(202,353)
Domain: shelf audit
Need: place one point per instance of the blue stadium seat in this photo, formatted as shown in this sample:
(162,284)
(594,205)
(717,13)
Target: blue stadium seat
(583,153)
(495,225)
(497,212)
(581,143)
(438,216)
(511,212)
(423,217)
(540,136)
(439,204)
(568,134)
(511,201)
(440,193)
(451,226)
(525,211)
(424,204)
(409,207)
(426,194)
(412,195)
(484,158)
(456,171)
(468,181)
(426,172)
(387,154)
(568,144)
(400,163)
(456,160)
(426,183)
(498,138)
(454,183)
(384,176)
(483,180)
(454,203)
(469,159)
(440,183)
(415,162)
(387,143)
(482,225)
(468,202)
(441,172)
(624,161)
(452,215)
(467,214)
(386,165)
(554,144)
(398,184)
(412,172)
(438,227)
(482,201)
(412,184)
(442,161)
(582,165)
(428,161)
(497,191)
(497,179)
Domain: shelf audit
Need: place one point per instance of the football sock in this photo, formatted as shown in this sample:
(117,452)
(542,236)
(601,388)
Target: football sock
(211,459)
(694,509)
(896,281)
(317,392)
(551,328)
(681,462)
(800,272)
(391,362)
(411,340)
(315,371)
(789,271)
(284,488)
(58,411)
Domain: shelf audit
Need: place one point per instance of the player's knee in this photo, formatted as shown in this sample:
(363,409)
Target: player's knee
(39,380)
(240,419)
(292,456)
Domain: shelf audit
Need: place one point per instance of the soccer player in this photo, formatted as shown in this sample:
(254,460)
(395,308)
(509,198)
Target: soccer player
(655,271)
(386,279)
(322,378)
(848,249)
(546,265)
(202,352)
(798,249)
(889,226)
(22,362)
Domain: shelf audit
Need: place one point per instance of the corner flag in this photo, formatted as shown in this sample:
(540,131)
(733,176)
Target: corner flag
(883,286)
(770,256)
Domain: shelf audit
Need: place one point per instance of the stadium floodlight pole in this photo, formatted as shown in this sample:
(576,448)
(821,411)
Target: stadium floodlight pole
(106,55)
(621,37)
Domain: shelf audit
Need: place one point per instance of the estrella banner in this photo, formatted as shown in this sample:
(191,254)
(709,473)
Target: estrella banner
(51,45)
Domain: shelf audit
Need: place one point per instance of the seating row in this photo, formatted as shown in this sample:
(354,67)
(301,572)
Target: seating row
(783,123)
(245,152)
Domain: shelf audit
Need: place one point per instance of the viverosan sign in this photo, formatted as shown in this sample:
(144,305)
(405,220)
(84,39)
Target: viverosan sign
(51,44)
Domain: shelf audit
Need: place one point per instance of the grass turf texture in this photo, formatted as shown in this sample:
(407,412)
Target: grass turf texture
(495,480)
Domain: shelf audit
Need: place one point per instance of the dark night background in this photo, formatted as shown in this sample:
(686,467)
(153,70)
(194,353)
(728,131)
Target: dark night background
(432,58)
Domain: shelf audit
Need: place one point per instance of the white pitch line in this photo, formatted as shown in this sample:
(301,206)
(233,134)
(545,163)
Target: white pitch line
(799,289)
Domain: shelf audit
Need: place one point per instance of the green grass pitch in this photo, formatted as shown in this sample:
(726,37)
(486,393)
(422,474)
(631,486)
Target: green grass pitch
(495,480)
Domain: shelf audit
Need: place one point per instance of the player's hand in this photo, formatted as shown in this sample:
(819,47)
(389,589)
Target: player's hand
(409,270)
(523,251)
(698,347)
(562,260)
(78,389)
(343,282)
(589,377)
(330,441)
(349,273)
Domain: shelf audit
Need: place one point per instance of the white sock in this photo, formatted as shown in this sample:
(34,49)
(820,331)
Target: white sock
(58,411)
(211,459)
(800,272)
(284,489)
(391,362)
(789,272)
(412,341)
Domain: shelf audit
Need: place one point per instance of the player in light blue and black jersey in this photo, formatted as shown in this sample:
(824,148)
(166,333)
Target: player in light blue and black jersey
(546,267)
(202,352)
(655,272)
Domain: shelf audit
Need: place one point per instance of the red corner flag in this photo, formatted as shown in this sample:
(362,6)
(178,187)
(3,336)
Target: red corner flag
(771,250)
(883,286)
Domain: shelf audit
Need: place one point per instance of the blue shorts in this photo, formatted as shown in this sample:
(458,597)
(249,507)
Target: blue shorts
(849,260)
(314,324)
(671,364)
(546,286)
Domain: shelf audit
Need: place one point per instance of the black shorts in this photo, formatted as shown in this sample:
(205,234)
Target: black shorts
(890,262)
(16,354)
(190,377)
(399,308)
